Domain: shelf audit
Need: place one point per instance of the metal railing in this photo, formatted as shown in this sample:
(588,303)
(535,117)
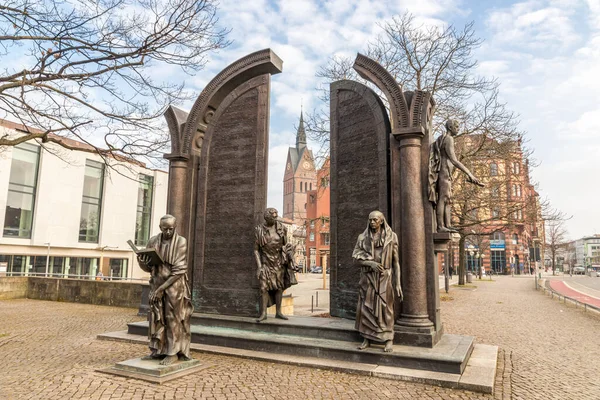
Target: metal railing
(577,303)
(74,276)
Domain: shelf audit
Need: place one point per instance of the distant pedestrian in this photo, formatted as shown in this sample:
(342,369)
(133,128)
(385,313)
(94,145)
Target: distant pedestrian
(99,276)
(451,270)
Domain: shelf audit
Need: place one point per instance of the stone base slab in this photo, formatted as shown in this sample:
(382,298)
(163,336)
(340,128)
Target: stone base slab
(478,376)
(152,371)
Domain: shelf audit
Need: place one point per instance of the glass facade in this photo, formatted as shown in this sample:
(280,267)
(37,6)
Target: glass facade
(89,223)
(144,210)
(118,268)
(498,261)
(21,191)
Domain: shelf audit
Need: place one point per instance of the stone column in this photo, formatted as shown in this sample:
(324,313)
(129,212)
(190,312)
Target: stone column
(178,182)
(414,308)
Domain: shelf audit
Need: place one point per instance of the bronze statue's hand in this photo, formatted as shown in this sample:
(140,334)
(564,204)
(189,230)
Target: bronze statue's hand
(158,294)
(259,273)
(376,267)
(399,295)
(143,259)
(475,181)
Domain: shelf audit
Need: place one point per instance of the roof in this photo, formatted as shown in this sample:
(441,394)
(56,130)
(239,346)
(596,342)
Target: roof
(69,143)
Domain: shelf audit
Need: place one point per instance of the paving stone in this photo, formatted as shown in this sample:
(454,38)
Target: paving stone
(50,351)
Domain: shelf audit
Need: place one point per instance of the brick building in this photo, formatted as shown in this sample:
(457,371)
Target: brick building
(317,220)
(299,178)
(506,224)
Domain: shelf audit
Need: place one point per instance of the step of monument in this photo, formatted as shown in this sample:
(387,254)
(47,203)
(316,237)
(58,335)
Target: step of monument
(313,327)
(449,355)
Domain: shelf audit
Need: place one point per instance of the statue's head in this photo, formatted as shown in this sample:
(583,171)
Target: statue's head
(271,216)
(168,224)
(376,219)
(452,126)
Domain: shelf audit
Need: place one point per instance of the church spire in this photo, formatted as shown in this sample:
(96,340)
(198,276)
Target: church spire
(301,134)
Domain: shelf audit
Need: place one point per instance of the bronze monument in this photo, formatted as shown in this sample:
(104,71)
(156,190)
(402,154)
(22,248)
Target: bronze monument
(274,263)
(442,163)
(376,251)
(170,300)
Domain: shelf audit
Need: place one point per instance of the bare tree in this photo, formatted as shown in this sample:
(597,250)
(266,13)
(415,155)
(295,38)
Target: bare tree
(441,60)
(556,237)
(91,69)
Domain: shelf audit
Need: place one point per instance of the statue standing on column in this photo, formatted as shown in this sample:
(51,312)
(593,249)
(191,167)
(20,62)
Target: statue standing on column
(441,165)
(274,263)
(169,297)
(376,252)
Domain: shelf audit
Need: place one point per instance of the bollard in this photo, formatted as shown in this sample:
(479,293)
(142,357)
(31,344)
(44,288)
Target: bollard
(317,299)
(312,304)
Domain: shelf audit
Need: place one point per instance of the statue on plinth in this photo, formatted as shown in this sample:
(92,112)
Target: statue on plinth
(442,161)
(169,297)
(275,266)
(376,252)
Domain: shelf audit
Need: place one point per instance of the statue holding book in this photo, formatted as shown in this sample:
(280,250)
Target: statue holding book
(165,258)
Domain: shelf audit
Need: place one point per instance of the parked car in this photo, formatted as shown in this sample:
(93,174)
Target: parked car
(317,270)
(598,273)
(579,270)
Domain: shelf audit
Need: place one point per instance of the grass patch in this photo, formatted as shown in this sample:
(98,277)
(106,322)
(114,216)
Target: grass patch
(446,297)
(467,286)
(3,335)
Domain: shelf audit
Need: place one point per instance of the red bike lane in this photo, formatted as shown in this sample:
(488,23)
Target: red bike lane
(563,289)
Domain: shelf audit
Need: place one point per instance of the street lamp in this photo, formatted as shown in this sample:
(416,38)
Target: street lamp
(47,258)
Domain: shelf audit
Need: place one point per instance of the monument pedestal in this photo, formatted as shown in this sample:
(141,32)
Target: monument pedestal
(417,336)
(152,371)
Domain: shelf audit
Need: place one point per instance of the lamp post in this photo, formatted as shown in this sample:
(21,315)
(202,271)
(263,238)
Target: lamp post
(102,257)
(47,258)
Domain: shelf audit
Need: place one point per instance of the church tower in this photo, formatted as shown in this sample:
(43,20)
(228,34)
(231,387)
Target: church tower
(300,176)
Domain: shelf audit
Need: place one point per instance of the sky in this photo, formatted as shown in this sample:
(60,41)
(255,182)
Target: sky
(545,53)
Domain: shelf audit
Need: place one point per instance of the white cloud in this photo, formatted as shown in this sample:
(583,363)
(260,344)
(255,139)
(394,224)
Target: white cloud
(535,24)
(552,82)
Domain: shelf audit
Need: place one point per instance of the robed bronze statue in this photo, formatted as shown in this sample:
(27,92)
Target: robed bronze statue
(275,267)
(376,252)
(441,165)
(170,300)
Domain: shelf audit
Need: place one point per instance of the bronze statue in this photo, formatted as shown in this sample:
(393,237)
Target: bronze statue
(170,300)
(441,165)
(376,251)
(274,262)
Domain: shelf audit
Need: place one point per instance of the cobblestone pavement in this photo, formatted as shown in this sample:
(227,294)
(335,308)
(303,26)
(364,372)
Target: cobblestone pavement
(550,350)
(49,351)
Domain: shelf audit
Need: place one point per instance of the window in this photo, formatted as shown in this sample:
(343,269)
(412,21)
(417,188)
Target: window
(144,210)
(325,182)
(495,192)
(91,202)
(516,168)
(312,224)
(22,183)
(498,236)
(495,213)
(493,169)
(498,261)
(515,238)
(325,239)
(310,186)
(312,237)
(518,190)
